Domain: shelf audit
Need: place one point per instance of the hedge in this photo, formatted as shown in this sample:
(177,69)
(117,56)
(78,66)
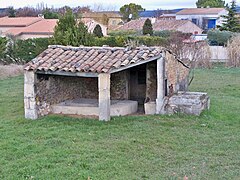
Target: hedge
(120,41)
(219,38)
(22,51)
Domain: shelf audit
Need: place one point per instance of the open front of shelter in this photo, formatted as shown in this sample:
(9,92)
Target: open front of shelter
(102,81)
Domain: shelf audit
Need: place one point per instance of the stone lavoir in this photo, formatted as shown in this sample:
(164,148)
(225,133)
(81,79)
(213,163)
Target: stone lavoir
(108,81)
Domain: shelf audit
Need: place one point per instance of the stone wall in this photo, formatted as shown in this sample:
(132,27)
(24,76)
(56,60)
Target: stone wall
(55,89)
(176,74)
(119,85)
(151,82)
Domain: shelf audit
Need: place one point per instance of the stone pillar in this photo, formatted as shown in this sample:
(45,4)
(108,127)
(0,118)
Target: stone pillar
(104,96)
(160,86)
(30,105)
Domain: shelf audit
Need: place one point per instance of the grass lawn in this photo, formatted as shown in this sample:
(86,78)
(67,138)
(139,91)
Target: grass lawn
(145,147)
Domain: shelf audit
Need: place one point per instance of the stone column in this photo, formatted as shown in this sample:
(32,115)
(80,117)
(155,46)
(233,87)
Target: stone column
(30,105)
(104,96)
(160,86)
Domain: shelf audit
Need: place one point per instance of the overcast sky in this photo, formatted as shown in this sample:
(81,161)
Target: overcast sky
(112,4)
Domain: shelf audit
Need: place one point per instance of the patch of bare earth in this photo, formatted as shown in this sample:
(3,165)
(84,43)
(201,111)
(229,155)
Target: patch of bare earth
(10,70)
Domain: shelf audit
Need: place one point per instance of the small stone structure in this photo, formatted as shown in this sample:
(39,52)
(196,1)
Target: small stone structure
(102,81)
(188,102)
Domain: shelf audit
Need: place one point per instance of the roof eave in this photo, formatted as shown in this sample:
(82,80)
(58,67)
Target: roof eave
(135,64)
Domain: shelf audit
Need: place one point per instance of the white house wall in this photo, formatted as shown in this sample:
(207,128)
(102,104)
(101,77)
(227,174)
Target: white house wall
(32,36)
(219,19)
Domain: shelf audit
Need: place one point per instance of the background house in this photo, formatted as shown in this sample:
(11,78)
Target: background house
(206,18)
(111,19)
(40,29)
(91,24)
(37,27)
(7,23)
(185,26)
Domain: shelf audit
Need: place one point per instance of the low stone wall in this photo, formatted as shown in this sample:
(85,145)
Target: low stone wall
(188,102)
(192,103)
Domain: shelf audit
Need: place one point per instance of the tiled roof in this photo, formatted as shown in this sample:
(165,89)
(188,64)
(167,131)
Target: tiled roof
(133,25)
(45,26)
(191,11)
(170,24)
(91,59)
(159,25)
(18,21)
(109,14)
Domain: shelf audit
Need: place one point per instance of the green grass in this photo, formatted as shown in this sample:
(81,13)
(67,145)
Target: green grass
(144,147)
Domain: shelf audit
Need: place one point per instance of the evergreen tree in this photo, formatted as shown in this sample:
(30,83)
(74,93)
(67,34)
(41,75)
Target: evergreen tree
(69,32)
(147,27)
(48,14)
(98,31)
(11,12)
(132,9)
(210,3)
(231,22)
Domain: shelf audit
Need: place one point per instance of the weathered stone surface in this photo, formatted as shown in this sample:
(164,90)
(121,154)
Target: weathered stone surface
(151,82)
(150,108)
(29,90)
(29,77)
(119,86)
(176,74)
(30,106)
(31,114)
(188,102)
(104,96)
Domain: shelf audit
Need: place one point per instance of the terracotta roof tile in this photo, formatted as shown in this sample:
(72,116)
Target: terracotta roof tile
(90,59)
(18,21)
(159,25)
(200,11)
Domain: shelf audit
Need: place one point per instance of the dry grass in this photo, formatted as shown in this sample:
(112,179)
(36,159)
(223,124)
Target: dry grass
(10,70)
(233,48)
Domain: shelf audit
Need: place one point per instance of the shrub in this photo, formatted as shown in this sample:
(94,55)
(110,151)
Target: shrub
(219,38)
(22,51)
(125,33)
(3,45)
(151,40)
(164,33)
(120,41)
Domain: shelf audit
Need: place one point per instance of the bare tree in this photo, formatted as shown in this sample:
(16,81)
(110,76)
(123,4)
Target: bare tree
(233,49)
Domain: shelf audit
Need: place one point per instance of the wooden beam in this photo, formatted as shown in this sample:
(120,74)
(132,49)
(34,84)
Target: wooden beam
(64,73)
(135,64)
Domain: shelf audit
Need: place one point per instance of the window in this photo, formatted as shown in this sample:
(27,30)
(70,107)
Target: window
(194,21)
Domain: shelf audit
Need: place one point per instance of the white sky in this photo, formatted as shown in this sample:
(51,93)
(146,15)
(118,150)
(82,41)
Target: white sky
(113,5)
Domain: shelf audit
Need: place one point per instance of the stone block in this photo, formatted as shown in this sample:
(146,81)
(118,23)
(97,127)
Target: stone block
(104,97)
(31,114)
(188,102)
(150,108)
(29,90)
(29,77)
